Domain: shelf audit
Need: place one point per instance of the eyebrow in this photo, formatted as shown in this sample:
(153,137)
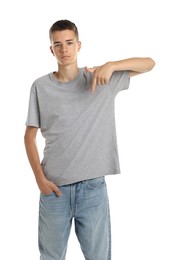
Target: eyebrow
(65,41)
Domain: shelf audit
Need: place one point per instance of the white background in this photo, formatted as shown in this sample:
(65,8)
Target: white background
(143,199)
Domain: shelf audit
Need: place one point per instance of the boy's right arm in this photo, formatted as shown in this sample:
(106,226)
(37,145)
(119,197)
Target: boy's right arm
(45,186)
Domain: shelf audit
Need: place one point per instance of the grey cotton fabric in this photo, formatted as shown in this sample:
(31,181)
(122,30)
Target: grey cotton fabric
(78,126)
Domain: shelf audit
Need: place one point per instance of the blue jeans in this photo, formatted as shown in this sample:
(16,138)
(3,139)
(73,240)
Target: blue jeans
(87,203)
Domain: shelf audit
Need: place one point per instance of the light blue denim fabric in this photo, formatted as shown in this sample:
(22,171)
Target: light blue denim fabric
(87,203)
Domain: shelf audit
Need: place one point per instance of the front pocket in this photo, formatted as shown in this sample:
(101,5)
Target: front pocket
(46,195)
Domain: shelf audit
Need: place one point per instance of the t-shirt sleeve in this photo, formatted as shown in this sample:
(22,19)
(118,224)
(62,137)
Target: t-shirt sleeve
(33,116)
(120,80)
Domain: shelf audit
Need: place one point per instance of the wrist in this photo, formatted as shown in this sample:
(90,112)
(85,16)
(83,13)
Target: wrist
(114,66)
(40,178)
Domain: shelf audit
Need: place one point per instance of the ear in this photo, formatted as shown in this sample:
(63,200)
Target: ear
(51,49)
(79,45)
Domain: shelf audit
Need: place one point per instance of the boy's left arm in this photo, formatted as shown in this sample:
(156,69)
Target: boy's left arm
(135,66)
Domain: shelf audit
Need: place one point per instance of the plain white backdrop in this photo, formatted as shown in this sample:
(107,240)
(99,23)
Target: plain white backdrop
(143,199)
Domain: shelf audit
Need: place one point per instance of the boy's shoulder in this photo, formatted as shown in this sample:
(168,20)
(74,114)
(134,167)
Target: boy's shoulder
(43,78)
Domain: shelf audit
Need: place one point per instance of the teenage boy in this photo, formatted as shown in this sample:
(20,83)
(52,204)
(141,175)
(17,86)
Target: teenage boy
(74,109)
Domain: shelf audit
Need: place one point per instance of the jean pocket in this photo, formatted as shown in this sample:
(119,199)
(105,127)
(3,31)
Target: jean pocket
(47,195)
(95,183)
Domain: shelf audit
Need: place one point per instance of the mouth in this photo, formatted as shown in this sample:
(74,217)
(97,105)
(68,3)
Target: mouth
(63,57)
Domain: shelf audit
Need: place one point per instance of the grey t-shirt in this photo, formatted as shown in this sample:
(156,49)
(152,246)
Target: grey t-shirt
(78,126)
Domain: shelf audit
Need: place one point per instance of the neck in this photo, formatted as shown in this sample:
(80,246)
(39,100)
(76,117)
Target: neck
(67,73)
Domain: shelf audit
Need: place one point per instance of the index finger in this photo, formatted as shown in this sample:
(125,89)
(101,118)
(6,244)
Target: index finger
(93,84)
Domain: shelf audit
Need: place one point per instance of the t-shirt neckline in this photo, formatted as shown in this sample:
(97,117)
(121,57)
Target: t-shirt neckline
(72,84)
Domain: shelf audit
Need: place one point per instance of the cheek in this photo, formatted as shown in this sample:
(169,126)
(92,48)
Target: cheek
(56,53)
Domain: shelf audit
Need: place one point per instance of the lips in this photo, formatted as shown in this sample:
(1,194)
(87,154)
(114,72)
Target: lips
(65,57)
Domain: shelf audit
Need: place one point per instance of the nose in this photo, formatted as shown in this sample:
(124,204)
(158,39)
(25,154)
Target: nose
(64,48)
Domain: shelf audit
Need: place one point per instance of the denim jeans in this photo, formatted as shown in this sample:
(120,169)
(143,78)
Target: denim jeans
(86,203)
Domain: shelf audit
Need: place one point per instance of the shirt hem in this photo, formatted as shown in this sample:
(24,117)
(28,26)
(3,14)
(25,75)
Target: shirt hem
(75,180)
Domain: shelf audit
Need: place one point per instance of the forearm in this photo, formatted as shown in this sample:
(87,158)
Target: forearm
(45,186)
(134,66)
(139,65)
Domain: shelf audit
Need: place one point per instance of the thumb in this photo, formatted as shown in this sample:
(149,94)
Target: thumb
(56,190)
(90,70)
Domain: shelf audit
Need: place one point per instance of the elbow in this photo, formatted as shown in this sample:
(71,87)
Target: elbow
(26,136)
(26,139)
(30,135)
(150,64)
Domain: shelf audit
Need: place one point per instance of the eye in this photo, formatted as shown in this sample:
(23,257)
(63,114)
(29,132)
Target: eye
(69,43)
(58,45)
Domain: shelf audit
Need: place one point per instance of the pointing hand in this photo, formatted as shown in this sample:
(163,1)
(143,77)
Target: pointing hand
(101,75)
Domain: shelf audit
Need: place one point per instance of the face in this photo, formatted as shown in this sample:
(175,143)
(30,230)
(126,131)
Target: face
(65,46)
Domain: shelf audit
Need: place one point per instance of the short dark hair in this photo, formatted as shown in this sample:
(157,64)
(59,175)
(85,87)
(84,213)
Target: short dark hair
(62,25)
